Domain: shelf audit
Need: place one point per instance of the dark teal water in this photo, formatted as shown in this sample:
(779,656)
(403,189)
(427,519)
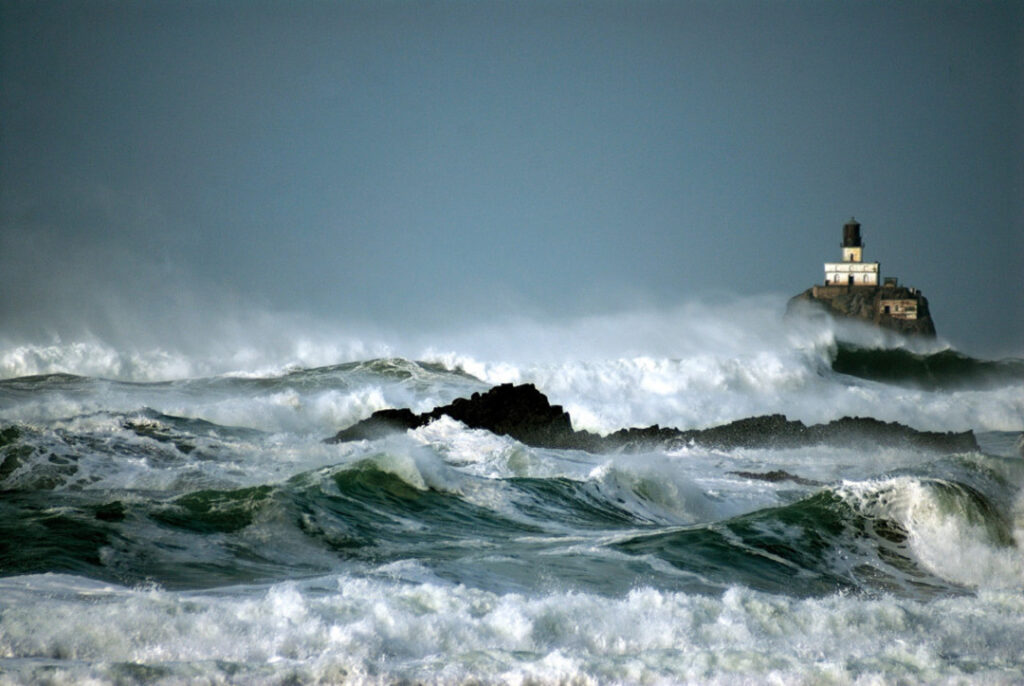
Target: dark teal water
(201,529)
(943,370)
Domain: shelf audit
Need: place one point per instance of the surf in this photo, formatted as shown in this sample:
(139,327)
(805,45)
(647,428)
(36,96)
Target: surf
(170,526)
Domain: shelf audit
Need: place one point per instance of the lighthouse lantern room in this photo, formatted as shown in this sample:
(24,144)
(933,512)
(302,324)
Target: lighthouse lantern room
(852,271)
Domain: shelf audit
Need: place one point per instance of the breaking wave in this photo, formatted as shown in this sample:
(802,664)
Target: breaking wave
(172,517)
(182,502)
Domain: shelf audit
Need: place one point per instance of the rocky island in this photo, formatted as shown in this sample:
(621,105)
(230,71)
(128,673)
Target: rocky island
(525,414)
(852,290)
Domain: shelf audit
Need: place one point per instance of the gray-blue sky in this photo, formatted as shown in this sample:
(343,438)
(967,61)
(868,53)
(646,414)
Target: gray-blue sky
(438,162)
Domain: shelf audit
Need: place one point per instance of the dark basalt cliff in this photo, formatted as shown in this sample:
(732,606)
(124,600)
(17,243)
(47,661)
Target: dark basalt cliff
(866,303)
(525,414)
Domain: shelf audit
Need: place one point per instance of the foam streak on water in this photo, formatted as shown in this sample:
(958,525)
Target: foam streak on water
(159,525)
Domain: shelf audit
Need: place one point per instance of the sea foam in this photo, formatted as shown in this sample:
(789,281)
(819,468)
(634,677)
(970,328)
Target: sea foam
(373,631)
(951,530)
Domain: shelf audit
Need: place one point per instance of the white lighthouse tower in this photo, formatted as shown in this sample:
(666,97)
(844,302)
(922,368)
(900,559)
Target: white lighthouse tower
(852,271)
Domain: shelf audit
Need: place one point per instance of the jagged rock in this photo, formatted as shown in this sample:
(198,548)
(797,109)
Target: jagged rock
(525,414)
(521,412)
(849,430)
(865,303)
(772,430)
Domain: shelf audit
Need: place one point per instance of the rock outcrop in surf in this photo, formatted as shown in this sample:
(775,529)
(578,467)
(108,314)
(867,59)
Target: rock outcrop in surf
(521,412)
(525,414)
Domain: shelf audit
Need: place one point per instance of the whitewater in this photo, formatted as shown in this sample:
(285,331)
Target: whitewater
(172,514)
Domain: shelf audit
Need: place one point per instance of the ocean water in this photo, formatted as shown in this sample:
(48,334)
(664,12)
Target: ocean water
(175,517)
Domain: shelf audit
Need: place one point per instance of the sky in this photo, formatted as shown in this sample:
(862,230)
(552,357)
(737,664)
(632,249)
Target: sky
(431,164)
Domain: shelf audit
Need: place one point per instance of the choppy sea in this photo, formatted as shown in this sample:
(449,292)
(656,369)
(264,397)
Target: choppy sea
(169,519)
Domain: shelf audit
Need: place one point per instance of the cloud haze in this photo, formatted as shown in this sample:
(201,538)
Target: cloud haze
(429,165)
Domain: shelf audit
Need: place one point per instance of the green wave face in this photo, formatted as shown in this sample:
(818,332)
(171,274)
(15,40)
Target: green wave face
(944,370)
(515,533)
(833,542)
(201,529)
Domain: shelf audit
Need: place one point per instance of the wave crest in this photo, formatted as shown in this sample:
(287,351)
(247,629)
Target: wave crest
(950,528)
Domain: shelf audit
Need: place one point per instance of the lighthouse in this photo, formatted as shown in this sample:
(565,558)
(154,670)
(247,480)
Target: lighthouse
(853,270)
(854,290)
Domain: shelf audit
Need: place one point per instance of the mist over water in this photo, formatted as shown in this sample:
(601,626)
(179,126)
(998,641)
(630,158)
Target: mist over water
(161,344)
(187,478)
(189,331)
(694,365)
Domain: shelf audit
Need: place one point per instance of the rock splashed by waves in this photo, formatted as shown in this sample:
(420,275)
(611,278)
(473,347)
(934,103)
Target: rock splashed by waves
(525,414)
(819,525)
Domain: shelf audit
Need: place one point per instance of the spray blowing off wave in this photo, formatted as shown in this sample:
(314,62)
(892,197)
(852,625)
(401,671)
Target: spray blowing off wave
(749,333)
(601,396)
(262,342)
(257,352)
(693,366)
